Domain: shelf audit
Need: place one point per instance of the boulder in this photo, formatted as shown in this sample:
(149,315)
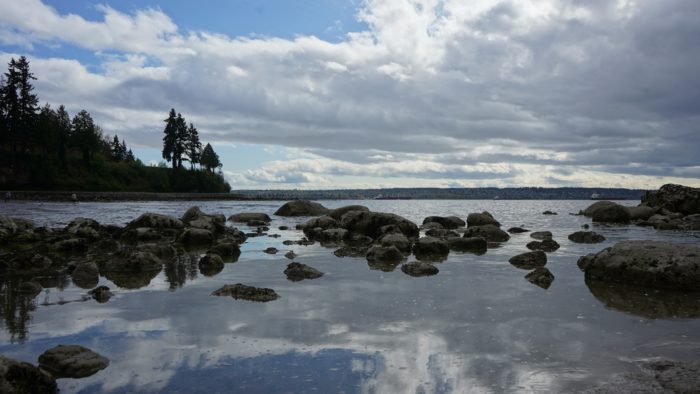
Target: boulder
(400,241)
(245,217)
(431,248)
(229,251)
(156,220)
(475,245)
(541,277)
(194,217)
(541,235)
(489,232)
(448,222)
(641,212)
(196,237)
(612,214)
(134,261)
(338,213)
(210,264)
(481,219)
(441,233)
(586,237)
(593,208)
(529,260)
(547,245)
(517,230)
(86,275)
(83,227)
(388,254)
(333,236)
(351,251)
(653,264)
(302,208)
(7,226)
(323,222)
(244,292)
(101,294)
(375,224)
(297,272)
(674,198)
(17,377)
(72,361)
(419,268)
(291,255)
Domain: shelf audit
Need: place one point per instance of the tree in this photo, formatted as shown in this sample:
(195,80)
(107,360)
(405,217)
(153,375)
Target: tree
(63,130)
(170,138)
(209,158)
(180,139)
(86,135)
(193,146)
(18,105)
(116,149)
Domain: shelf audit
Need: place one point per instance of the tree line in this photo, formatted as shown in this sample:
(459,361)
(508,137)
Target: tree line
(46,148)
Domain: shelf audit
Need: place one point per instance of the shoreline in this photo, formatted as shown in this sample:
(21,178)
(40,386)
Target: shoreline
(82,196)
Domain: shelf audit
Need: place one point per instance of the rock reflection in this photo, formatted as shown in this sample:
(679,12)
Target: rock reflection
(131,280)
(180,270)
(15,309)
(645,302)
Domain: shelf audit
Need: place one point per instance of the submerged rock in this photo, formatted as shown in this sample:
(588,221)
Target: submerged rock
(211,264)
(447,222)
(17,377)
(477,245)
(72,361)
(481,219)
(517,230)
(658,376)
(547,245)
(101,294)
(489,232)
(586,237)
(245,217)
(646,263)
(541,235)
(249,293)
(301,208)
(297,272)
(419,268)
(529,260)
(541,277)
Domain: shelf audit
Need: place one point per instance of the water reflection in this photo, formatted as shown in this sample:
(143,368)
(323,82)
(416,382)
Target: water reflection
(649,303)
(16,308)
(180,270)
(131,280)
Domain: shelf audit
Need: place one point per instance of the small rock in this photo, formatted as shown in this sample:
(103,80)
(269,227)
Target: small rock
(271,250)
(541,235)
(419,268)
(586,237)
(541,277)
(250,293)
(517,230)
(72,361)
(86,275)
(547,245)
(549,213)
(17,377)
(489,232)
(529,260)
(585,226)
(475,245)
(245,217)
(101,294)
(290,255)
(283,228)
(297,272)
(211,264)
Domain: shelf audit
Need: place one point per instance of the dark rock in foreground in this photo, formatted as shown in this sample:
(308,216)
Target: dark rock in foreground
(431,248)
(17,377)
(338,213)
(489,232)
(612,214)
(477,245)
(646,263)
(297,272)
(243,292)
(541,277)
(586,237)
(529,260)
(301,208)
(447,222)
(72,361)
(547,245)
(419,268)
(674,198)
(481,219)
(245,217)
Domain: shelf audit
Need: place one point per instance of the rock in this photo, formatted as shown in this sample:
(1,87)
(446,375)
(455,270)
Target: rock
(675,198)
(131,279)
(549,213)
(83,227)
(585,226)
(529,260)
(257,223)
(134,261)
(196,237)
(86,275)
(142,234)
(17,377)
(586,237)
(156,220)
(489,232)
(101,294)
(441,233)
(7,226)
(338,213)
(419,268)
(476,245)
(547,245)
(229,251)
(29,288)
(72,245)
(541,277)
(194,217)
(245,217)
(658,376)
(323,222)
(250,293)
(388,254)
(430,248)
(481,219)
(541,235)
(283,228)
(72,361)
(333,236)
(302,208)
(593,208)
(290,255)
(653,264)
(517,230)
(24,224)
(641,212)
(612,214)
(211,264)
(271,250)
(400,241)
(163,251)
(351,251)
(375,224)
(432,226)
(297,272)
(448,222)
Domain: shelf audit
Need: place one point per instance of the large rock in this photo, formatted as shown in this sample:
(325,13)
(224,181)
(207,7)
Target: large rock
(641,212)
(7,226)
(72,361)
(541,277)
(476,245)
(246,217)
(86,275)
(481,219)
(448,222)
(586,237)
(419,268)
(646,263)
(302,208)
(244,292)
(338,213)
(400,241)
(593,208)
(529,260)
(211,264)
(431,248)
(675,198)
(375,224)
(196,237)
(612,214)
(547,245)
(17,377)
(323,222)
(489,232)
(156,220)
(134,261)
(385,254)
(194,217)
(297,272)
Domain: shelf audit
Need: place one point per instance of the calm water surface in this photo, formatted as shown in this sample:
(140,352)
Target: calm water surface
(478,326)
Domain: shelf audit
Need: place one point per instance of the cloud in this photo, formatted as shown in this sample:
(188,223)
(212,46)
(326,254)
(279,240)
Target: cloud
(606,87)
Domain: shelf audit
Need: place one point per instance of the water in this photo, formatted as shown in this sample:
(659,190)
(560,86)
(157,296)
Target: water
(478,326)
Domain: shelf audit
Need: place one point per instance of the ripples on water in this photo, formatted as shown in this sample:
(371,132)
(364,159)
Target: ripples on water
(477,326)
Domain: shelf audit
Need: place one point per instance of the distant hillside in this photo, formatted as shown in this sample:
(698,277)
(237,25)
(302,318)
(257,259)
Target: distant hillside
(486,193)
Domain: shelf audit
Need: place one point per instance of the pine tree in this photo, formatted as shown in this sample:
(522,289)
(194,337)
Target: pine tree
(116,149)
(170,138)
(63,130)
(124,151)
(209,158)
(19,104)
(194,147)
(86,135)
(181,139)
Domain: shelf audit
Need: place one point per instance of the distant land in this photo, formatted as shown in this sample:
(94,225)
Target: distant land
(484,193)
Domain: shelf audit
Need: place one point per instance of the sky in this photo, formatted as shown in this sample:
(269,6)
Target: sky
(314,94)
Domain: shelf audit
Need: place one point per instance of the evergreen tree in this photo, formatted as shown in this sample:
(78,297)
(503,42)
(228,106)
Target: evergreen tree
(193,146)
(116,149)
(124,151)
(180,147)
(46,132)
(170,138)
(18,104)
(209,158)
(63,132)
(130,156)
(86,135)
